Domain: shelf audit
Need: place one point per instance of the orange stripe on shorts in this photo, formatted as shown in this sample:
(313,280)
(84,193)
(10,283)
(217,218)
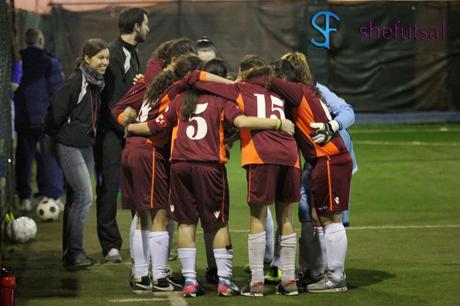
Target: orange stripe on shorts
(223,196)
(329,181)
(249,183)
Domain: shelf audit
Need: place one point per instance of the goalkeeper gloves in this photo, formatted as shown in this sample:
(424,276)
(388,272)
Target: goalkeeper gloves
(323,131)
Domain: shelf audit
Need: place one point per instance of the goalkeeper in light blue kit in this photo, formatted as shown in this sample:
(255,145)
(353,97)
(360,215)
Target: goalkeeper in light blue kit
(309,257)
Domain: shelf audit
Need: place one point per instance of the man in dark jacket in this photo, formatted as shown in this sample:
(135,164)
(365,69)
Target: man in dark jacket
(123,67)
(42,76)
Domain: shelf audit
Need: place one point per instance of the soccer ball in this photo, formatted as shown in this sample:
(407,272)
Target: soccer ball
(21,230)
(48,210)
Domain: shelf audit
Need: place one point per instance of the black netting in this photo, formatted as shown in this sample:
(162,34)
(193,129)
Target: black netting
(6,145)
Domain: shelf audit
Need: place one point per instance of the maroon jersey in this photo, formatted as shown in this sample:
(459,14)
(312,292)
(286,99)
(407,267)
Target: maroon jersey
(257,146)
(201,136)
(307,108)
(154,67)
(135,95)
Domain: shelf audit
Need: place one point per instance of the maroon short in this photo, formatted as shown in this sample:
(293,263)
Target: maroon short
(330,183)
(139,188)
(270,183)
(199,190)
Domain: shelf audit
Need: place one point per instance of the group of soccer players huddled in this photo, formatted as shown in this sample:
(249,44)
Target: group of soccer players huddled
(180,120)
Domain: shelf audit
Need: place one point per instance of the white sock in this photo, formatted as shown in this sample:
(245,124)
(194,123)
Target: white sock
(132,229)
(336,248)
(318,262)
(256,250)
(139,255)
(171,227)
(276,261)
(306,246)
(208,242)
(187,257)
(159,246)
(270,232)
(287,255)
(224,262)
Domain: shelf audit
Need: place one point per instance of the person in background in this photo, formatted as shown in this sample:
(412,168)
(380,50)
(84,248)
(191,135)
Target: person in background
(205,49)
(72,121)
(42,76)
(124,66)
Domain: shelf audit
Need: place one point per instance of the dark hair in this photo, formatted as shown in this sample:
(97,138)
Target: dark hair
(163,51)
(184,65)
(129,17)
(91,47)
(301,68)
(251,61)
(215,66)
(33,36)
(205,43)
(284,70)
(182,46)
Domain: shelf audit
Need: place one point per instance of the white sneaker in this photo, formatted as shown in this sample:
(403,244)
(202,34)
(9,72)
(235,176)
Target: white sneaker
(329,284)
(113,256)
(26,205)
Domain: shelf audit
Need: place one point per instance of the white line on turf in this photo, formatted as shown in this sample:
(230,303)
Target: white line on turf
(175,298)
(408,130)
(137,300)
(406,143)
(380,227)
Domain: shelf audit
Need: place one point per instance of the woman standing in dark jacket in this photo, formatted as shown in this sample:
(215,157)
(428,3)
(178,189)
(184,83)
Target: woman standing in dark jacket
(72,120)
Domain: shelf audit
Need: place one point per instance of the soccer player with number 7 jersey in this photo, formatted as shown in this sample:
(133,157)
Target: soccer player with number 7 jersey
(273,169)
(199,187)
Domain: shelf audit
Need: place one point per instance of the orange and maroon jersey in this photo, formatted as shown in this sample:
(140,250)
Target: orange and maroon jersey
(257,146)
(134,97)
(199,137)
(306,108)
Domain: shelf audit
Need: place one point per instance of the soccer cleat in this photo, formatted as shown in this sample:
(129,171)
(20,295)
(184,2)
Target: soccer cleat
(227,287)
(211,275)
(140,284)
(273,275)
(172,255)
(305,279)
(329,284)
(288,288)
(192,288)
(253,289)
(165,284)
(113,256)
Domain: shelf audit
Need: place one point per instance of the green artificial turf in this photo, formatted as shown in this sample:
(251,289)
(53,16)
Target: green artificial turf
(403,243)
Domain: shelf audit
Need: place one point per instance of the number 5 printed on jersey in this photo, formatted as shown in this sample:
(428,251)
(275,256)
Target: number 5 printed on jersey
(201,127)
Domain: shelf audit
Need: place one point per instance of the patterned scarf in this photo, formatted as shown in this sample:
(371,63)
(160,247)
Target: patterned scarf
(92,76)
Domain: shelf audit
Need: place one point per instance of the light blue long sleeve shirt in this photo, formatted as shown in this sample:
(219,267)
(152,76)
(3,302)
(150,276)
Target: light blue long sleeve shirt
(343,113)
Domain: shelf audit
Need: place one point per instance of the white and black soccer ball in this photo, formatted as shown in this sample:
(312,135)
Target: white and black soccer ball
(48,210)
(21,230)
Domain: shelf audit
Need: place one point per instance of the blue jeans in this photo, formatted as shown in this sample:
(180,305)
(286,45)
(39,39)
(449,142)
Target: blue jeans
(49,175)
(77,165)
